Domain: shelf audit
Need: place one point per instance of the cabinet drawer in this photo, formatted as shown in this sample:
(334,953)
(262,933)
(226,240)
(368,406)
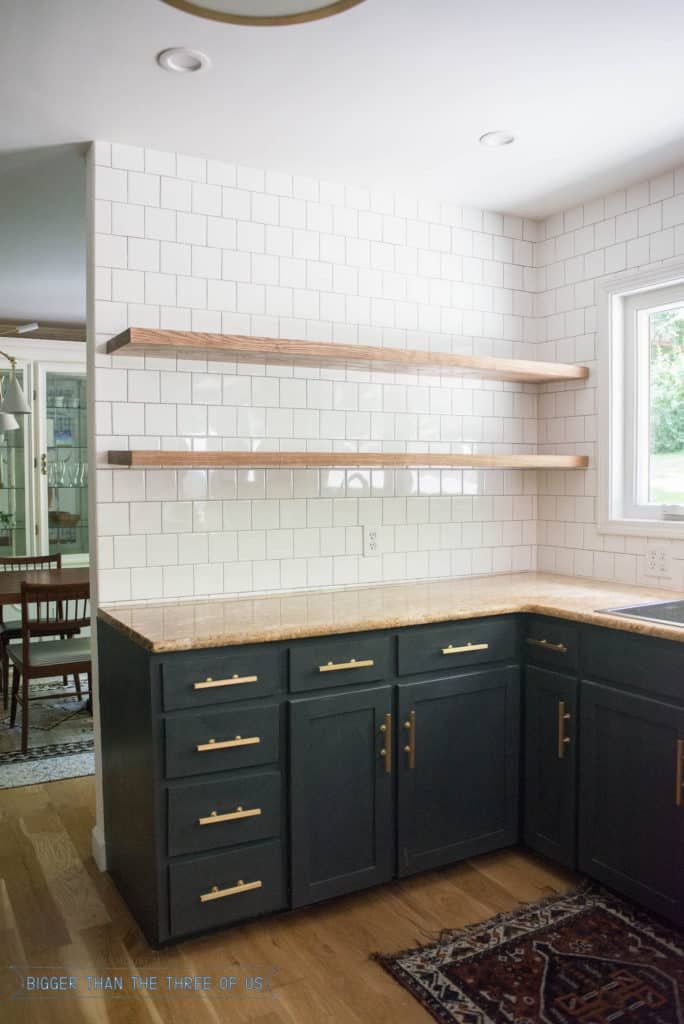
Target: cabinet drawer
(241,738)
(220,675)
(340,661)
(207,892)
(636,662)
(207,815)
(456,645)
(550,643)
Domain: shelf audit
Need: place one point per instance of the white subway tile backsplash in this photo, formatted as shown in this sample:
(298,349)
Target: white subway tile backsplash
(158,162)
(219,173)
(192,244)
(193,168)
(191,228)
(176,194)
(207,199)
(112,184)
(144,189)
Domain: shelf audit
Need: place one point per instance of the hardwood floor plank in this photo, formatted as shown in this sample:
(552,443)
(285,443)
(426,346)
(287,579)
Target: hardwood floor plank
(64,872)
(39,919)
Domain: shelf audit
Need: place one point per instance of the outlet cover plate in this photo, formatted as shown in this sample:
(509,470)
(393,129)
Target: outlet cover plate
(371,541)
(658,562)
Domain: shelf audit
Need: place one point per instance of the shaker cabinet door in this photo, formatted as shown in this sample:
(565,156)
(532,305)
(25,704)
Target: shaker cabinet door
(631,798)
(549,783)
(342,813)
(457,768)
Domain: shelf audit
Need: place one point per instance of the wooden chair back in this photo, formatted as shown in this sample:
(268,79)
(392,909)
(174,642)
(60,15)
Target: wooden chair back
(24,563)
(52,610)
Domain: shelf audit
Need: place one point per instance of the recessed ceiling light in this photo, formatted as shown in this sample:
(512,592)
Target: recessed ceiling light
(264,12)
(497,138)
(180,58)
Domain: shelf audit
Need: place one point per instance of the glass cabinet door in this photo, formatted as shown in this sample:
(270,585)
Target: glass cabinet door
(63,516)
(14,521)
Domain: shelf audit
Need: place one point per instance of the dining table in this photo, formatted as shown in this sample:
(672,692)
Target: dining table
(10,582)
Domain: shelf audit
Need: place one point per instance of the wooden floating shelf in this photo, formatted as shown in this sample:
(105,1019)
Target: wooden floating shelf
(241,349)
(143,459)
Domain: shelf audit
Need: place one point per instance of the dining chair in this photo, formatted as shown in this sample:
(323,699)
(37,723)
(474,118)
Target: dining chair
(49,610)
(12,630)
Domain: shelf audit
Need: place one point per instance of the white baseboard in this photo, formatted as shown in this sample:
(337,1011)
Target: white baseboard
(98,848)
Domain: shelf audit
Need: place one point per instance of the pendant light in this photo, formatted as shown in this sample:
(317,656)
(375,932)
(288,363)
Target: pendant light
(8,422)
(14,402)
(263,12)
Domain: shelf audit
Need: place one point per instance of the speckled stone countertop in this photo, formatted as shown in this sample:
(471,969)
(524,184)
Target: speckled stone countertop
(191,625)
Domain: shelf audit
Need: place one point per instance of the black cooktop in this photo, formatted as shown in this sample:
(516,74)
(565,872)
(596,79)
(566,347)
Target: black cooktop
(671,613)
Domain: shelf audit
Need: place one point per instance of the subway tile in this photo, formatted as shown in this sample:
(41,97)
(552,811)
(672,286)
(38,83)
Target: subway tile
(158,162)
(219,173)
(143,254)
(160,224)
(193,168)
(191,228)
(459,279)
(175,194)
(144,189)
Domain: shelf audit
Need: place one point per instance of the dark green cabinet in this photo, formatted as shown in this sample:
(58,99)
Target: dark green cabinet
(278,774)
(550,762)
(631,825)
(458,779)
(341,793)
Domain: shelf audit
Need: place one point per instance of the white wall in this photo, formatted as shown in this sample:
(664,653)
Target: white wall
(43,235)
(182,242)
(635,229)
(192,244)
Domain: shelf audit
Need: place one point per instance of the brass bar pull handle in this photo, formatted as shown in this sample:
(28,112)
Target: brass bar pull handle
(410,747)
(465,648)
(233,890)
(214,818)
(340,666)
(386,752)
(679,775)
(547,645)
(212,684)
(239,741)
(563,740)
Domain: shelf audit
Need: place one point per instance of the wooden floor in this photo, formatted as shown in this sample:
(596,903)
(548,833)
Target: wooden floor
(58,912)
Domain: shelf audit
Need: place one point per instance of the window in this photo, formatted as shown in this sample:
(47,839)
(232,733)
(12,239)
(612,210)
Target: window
(642,406)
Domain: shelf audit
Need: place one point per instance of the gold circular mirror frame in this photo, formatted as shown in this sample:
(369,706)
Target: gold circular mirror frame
(325,11)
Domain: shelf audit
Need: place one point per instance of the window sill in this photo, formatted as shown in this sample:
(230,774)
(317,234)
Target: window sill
(642,528)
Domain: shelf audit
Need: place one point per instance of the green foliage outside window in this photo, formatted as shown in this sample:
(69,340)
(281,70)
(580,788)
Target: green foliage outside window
(667,381)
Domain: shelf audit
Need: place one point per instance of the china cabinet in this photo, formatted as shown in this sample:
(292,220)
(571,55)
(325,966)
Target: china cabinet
(44,464)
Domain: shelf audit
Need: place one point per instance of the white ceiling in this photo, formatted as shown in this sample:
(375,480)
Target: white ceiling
(392,94)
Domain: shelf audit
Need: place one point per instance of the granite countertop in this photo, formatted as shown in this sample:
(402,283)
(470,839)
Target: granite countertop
(191,625)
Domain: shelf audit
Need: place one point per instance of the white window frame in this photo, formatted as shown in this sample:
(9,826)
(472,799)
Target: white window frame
(624,399)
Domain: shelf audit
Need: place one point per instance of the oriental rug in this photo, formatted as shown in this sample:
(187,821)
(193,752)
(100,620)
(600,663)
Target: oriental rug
(583,958)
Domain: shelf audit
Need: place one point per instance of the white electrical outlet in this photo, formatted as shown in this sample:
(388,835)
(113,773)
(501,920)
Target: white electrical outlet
(658,562)
(371,541)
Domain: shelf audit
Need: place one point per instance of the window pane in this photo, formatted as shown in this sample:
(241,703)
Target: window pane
(67,463)
(666,447)
(13,484)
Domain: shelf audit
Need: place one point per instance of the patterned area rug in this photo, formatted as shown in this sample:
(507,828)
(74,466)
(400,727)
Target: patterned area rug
(584,958)
(60,740)
(45,764)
